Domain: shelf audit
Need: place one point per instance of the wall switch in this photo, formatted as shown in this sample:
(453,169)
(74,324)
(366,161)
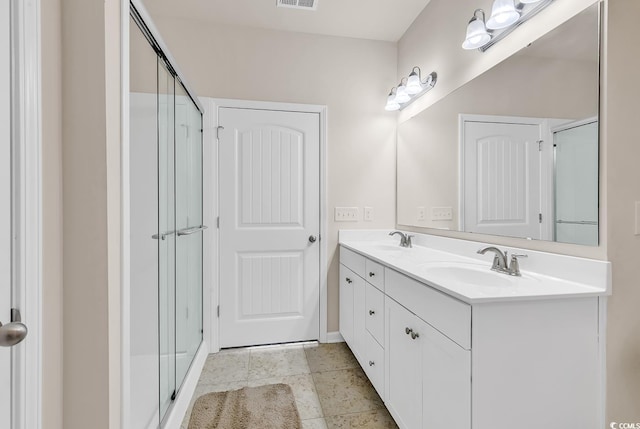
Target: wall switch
(368,214)
(346,214)
(637,217)
(441,213)
(421,213)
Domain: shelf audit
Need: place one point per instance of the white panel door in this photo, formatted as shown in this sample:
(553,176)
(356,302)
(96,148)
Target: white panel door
(5,209)
(269,226)
(502,179)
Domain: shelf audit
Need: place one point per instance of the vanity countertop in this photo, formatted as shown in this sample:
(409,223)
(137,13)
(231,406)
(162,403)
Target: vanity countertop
(470,279)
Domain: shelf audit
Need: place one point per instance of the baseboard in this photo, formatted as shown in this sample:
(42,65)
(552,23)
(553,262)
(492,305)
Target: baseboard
(334,337)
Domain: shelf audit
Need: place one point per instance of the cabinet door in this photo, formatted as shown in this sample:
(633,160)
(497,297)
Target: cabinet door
(347,278)
(359,329)
(446,378)
(404,366)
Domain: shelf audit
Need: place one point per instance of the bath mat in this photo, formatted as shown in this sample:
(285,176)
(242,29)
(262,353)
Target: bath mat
(265,407)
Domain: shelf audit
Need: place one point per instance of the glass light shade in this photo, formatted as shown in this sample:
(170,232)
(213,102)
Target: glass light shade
(414,86)
(529,1)
(503,14)
(477,35)
(401,95)
(391,103)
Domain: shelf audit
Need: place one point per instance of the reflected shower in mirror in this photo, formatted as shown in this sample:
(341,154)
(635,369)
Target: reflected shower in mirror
(514,152)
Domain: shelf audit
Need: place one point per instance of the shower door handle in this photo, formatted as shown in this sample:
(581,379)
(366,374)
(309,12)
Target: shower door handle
(192,230)
(14,332)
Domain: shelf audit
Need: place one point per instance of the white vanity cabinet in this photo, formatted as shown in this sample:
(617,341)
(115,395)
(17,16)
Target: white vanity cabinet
(440,362)
(362,313)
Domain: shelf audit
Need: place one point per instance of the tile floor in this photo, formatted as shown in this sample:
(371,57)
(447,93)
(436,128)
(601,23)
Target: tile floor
(330,388)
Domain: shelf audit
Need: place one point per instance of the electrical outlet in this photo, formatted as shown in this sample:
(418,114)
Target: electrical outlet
(441,213)
(421,214)
(368,214)
(346,214)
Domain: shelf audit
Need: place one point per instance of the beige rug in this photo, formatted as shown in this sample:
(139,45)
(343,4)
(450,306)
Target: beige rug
(265,407)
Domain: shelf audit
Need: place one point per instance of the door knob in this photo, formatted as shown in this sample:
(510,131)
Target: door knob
(14,332)
(312,239)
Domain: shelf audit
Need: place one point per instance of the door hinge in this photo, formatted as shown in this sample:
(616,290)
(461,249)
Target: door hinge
(218,311)
(540,217)
(218,222)
(540,145)
(220,127)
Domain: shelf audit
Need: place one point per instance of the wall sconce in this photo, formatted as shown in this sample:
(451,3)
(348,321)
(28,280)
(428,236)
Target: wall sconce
(506,16)
(410,89)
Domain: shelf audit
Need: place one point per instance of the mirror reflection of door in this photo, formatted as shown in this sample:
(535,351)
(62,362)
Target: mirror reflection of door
(576,183)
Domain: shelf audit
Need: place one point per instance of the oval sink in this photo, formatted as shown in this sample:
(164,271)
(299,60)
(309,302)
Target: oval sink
(470,275)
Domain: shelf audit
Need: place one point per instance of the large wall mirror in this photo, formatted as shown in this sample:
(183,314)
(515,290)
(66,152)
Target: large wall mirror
(514,152)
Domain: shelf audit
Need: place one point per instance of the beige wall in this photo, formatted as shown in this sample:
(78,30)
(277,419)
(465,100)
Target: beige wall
(352,77)
(52,333)
(623,190)
(91,192)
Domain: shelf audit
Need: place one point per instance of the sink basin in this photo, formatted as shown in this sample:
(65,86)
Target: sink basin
(470,274)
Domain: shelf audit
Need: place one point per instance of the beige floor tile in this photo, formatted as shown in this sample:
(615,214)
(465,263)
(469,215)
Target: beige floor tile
(304,392)
(277,362)
(226,366)
(346,391)
(314,424)
(378,419)
(330,357)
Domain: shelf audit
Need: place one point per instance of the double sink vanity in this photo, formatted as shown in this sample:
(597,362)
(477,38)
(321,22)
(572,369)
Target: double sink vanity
(449,343)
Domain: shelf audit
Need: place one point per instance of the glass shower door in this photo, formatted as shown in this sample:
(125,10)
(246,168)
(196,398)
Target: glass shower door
(190,231)
(167,241)
(576,184)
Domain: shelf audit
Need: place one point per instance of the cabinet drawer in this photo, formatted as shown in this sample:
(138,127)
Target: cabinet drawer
(374,274)
(353,261)
(374,313)
(446,314)
(374,364)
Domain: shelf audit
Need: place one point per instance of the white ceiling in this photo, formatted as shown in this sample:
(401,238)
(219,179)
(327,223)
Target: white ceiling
(365,19)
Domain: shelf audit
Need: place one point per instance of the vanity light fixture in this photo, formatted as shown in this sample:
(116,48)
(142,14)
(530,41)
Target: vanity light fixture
(410,89)
(506,16)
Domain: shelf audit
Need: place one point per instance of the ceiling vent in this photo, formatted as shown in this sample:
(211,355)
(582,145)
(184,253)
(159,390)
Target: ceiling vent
(299,4)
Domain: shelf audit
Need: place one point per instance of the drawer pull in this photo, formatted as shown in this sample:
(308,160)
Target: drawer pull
(371,274)
(371,363)
(371,312)
(408,331)
(414,335)
(348,280)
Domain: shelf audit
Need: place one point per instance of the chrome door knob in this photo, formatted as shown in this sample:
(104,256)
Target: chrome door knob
(14,332)
(312,239)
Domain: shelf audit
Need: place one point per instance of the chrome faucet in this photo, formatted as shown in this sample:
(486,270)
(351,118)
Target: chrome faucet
(500,263)
(405,239)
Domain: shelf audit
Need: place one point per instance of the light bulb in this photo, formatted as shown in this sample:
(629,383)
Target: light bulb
(414,86)
(477,35)
(391,103)
(503,14)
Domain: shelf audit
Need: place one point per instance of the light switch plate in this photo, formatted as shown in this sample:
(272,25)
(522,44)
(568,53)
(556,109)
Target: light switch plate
(368,214)
(637,218)
(421,213)
(441,213)
(346,214)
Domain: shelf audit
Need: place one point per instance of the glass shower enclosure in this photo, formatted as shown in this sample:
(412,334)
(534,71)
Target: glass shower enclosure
(166,230)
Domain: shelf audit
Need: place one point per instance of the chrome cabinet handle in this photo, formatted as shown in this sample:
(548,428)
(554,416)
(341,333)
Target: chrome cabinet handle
(312,239)
(371,363)
(348,280)
(192,230)
(408,331)
(14,332)
(414,335)
(371,312)
(371,274)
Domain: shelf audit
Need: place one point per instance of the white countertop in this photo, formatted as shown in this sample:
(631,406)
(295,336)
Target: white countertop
(470,279)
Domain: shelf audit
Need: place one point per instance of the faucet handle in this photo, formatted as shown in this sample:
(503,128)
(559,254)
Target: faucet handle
(514,266)
(408,241)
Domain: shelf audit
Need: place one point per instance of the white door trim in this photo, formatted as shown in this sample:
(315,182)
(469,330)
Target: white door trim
(27,138)
(215,104)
